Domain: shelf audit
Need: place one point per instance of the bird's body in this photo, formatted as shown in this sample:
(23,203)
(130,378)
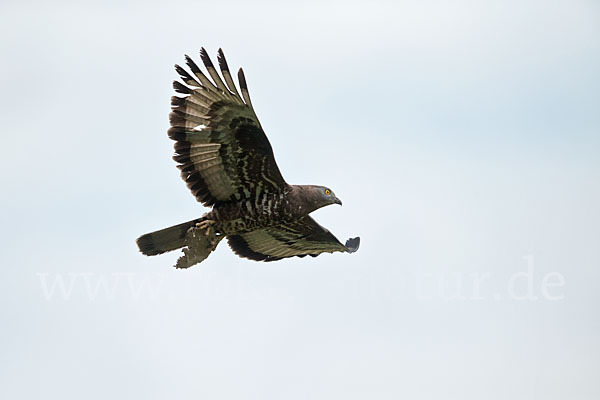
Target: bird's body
(247,215)
(266,210)
(227,162)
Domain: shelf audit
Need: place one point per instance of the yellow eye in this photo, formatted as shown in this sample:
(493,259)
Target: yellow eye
(327,192)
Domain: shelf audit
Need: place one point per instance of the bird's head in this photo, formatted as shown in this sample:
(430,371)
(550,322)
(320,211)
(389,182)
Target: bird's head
(309,198)
(323,196)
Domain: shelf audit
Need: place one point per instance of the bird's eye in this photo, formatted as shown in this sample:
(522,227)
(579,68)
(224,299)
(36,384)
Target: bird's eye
(327,192)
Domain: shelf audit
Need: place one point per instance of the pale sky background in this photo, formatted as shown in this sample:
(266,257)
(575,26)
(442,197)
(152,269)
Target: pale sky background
(462,136)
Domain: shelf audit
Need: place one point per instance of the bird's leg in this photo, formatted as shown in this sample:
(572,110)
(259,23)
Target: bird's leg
(212,236)
(206,226)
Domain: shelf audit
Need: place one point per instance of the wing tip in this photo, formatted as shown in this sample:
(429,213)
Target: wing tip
(206,58)
(352,244)
(222,61)
(242,79)
(191,64)
(181,88)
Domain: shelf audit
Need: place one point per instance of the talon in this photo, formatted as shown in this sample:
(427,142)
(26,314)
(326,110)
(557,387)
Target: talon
(205,224)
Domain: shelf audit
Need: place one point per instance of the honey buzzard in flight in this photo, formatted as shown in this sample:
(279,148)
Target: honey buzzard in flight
(227,162)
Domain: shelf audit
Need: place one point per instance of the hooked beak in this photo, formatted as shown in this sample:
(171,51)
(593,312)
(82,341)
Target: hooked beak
(337,201)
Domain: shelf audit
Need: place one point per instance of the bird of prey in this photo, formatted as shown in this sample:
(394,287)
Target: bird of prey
(227,162)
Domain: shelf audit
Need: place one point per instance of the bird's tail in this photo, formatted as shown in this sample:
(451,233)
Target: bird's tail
(168,239)
(197,237)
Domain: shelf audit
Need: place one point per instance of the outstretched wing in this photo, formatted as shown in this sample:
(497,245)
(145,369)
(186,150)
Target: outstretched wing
(296,238)
(220,148)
